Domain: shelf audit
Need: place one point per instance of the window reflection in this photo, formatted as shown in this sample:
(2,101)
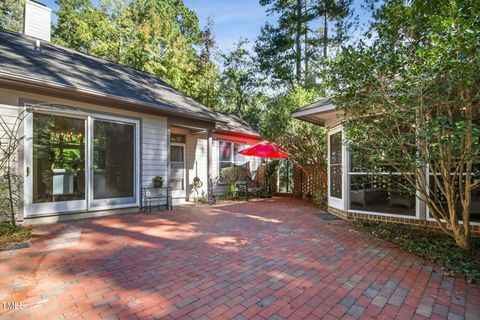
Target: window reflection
(58,158)
(336,165)
(113,160)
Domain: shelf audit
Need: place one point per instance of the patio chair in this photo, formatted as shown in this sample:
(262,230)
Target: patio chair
(401,198)
(366,193)
(249,187)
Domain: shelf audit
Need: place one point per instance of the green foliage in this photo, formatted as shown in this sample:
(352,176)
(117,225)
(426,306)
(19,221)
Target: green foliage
(319,198)
(434,246)
(207,90)
(11,15)
(271,176)
(159,37)
(13,233)
(240,89)
(293,50)
(305,142)
(278,117)
(232,191)
(411,100)
(10,193)
(230,176)
(157,181)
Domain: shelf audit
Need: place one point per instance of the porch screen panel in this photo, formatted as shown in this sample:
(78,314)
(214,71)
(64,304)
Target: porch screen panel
(113,160)
(437,192)
(336,165)
(375,187)
(177,167)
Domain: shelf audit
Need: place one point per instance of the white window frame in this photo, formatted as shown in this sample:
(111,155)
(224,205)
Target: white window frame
(182,192)
(103,204)
(232,160)
(65,207)
(337,203)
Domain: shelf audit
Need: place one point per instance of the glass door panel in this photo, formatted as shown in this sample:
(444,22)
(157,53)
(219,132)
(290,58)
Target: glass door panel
(57,181)
(113,163)
(336,165)
(177,170)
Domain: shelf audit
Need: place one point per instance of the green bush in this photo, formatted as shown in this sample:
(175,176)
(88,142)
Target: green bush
(13,233)
(319,198)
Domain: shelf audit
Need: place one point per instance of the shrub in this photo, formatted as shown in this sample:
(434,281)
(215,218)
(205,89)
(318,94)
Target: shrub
(230,176)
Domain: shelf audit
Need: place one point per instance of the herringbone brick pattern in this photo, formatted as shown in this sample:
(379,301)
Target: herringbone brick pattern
(265,259)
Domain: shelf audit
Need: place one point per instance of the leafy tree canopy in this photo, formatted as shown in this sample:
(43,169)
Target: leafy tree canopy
(241,91)
(411,100)
(159,37)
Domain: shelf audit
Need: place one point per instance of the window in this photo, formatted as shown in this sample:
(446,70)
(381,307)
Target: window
(378,188)
(113,176)
(178,138)
(58,158)
(228,154)
(336,165)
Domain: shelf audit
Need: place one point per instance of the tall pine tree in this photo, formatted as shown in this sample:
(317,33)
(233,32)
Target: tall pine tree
(292,52)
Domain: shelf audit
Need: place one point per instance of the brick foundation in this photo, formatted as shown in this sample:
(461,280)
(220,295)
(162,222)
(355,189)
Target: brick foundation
(352,216)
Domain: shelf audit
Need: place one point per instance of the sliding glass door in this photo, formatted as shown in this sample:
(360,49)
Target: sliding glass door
(113,163)
(79,163)
(55,178)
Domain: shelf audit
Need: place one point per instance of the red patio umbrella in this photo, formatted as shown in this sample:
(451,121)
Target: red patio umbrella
(265,149)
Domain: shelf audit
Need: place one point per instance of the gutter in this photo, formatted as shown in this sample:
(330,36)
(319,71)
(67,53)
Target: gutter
(306,119)
(238,134)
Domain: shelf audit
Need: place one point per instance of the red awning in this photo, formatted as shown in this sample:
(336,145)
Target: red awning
(265,150)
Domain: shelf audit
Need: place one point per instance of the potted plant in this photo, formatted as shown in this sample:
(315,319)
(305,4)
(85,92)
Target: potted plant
(157,181)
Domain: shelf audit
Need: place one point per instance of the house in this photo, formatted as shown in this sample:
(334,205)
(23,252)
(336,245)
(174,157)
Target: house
(95,132)
(356,194)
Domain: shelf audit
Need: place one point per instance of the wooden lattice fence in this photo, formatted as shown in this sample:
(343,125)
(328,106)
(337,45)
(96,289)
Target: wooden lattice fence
(310,182)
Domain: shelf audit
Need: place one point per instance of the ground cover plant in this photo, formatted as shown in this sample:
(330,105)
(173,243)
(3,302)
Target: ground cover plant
(434,246)
(13,233)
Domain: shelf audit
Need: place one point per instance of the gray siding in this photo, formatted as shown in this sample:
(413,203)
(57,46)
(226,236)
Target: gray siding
(8,117)
(154,149)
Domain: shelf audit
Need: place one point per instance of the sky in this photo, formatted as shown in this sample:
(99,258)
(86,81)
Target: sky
(233,19)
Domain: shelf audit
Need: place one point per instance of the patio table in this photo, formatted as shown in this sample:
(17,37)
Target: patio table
(158,195)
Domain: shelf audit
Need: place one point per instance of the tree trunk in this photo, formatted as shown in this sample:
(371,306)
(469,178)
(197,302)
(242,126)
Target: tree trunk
(298,46)
(10,194)
(306,57)
(325,32)
(462,240)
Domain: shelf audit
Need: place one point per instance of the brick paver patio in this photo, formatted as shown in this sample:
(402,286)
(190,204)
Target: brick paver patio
(265,259)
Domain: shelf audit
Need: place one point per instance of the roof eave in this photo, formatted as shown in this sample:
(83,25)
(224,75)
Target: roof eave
(314,121)
(238,134)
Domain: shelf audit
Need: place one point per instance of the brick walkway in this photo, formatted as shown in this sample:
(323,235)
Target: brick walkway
(266,259)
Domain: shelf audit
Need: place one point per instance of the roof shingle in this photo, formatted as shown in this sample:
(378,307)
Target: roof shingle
(67,68)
